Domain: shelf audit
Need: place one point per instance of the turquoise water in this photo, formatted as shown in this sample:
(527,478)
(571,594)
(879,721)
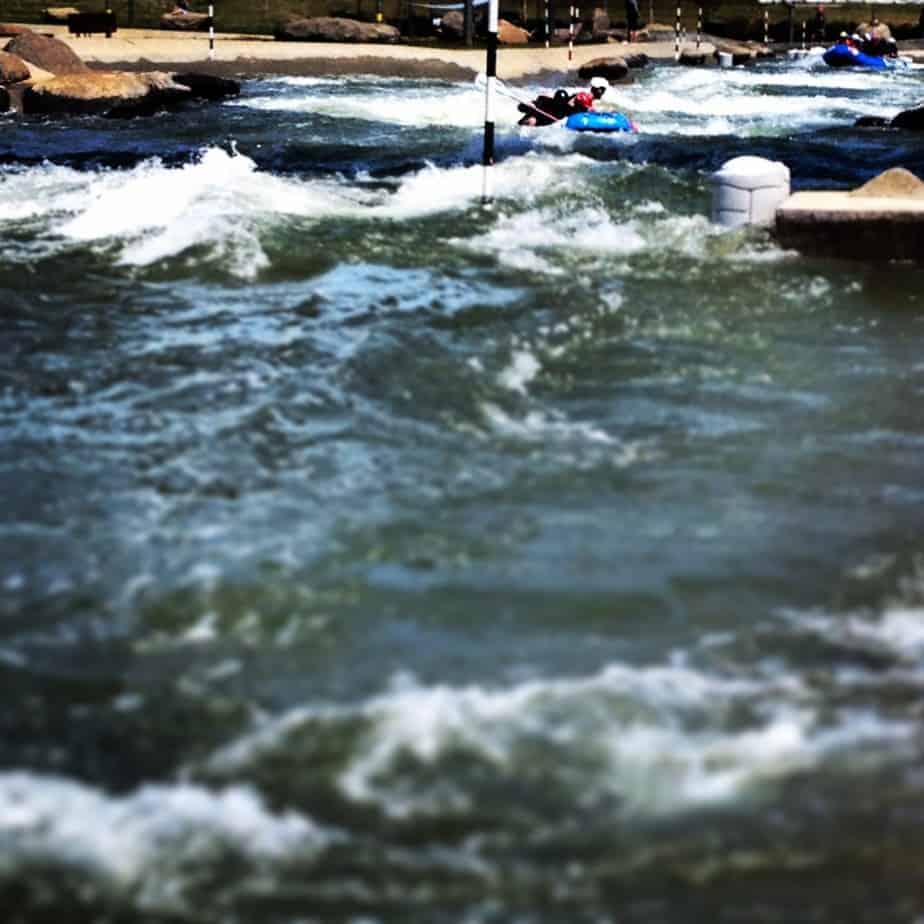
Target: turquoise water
(370,555)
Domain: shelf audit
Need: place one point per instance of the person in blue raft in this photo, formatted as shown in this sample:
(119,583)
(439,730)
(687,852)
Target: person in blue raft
(577,111)
(545,110)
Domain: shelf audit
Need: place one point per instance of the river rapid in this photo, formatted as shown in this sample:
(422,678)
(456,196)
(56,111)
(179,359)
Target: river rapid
(373,556)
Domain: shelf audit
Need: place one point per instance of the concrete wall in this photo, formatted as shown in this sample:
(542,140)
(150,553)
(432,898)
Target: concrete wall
(737,19)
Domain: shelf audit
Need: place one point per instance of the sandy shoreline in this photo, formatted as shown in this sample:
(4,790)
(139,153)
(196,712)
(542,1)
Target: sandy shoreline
(141,49)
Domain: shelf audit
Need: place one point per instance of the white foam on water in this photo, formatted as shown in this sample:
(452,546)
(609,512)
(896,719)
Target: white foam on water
(551,242)
(222,201)
(156,212)
(657,739)
(897,629)
(217,201)
(536,240)
(523,368)
(542,427)
(143,840)
(405,104)
(521,179)
(717,101)
(43,190)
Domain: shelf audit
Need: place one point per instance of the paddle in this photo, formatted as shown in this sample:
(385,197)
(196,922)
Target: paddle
(481,81)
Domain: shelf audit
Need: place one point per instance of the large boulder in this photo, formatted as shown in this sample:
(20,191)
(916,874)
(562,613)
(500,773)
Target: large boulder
(12,68)
(336,29)
(11,29)
(452,25)
(910,119)
(207,86)
(184,21)
(613,69)
(509,34)
(108,93)
(47,53)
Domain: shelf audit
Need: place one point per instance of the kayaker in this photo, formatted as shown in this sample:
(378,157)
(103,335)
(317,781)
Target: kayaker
(544,110)
(585,99)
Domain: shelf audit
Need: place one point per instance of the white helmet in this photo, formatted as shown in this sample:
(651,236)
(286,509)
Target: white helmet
(601,82)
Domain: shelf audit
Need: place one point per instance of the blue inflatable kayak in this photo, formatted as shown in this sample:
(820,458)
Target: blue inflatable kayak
(841,55)
(599,122)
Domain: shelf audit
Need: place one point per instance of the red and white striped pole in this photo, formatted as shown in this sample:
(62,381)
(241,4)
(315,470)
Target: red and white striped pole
(487,159)
(211,31)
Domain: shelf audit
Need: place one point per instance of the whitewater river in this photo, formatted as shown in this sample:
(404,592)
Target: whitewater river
(370,556)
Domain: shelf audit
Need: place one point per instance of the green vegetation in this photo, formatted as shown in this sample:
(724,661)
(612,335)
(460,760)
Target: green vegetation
(741,20)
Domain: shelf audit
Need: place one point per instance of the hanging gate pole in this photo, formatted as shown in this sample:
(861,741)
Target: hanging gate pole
(487,160)
(211,31)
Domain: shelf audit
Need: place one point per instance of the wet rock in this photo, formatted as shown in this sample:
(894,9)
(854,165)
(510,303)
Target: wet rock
(871,122)
(207,86)
(107,93)
(693,58)
(613,69)
(336,29)
(4,100)
(910,120)
(636,61)
(184,21)
(47,53)
(12,68)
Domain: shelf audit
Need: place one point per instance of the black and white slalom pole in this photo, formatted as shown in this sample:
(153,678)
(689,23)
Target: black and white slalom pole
(677,36)
(487,159)
(548,31)
(699,26)
(211,31)
(571,32)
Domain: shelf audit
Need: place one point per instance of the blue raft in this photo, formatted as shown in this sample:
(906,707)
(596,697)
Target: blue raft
(841,55)
(599,122)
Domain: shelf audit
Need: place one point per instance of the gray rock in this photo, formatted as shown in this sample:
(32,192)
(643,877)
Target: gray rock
(47,53)
(207,86)
(452,25)
(612,68)
(336,29)
(910,120)
(185,22)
